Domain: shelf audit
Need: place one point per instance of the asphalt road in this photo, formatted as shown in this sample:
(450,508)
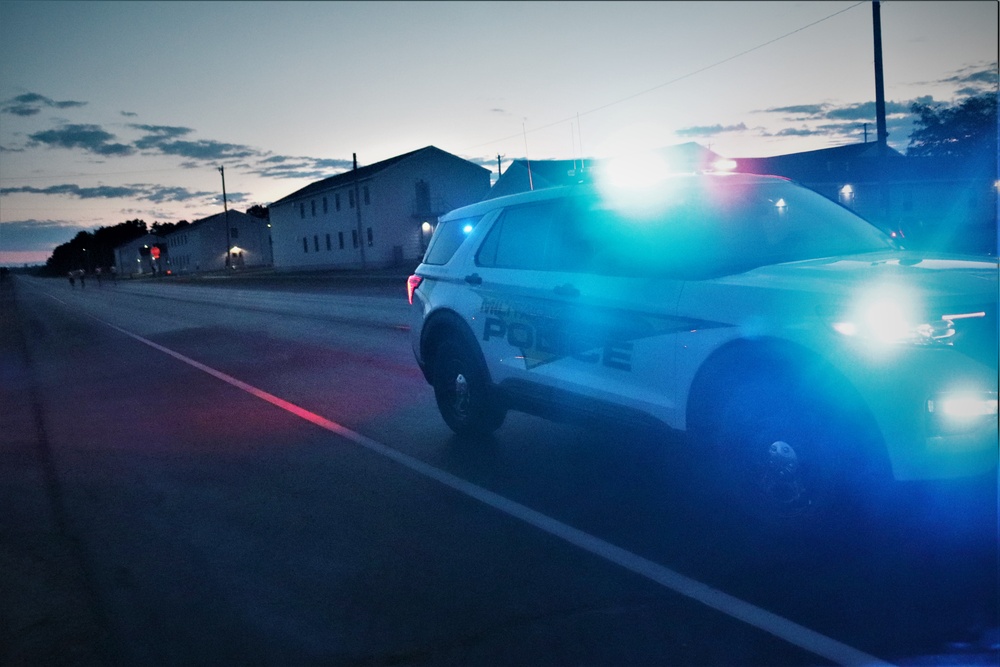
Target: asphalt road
(255,473)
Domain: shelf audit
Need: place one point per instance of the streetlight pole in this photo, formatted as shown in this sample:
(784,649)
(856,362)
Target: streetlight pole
(225,207)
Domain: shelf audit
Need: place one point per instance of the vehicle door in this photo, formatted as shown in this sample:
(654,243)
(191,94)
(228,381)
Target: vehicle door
(621,311)
(564,316)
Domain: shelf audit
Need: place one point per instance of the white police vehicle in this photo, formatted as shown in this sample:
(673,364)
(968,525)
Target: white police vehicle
(790,338)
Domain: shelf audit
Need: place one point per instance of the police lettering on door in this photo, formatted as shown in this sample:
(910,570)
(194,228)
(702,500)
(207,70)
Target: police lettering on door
(545,342)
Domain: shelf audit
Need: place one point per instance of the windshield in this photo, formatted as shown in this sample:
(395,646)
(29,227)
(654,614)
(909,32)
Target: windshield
(720,226)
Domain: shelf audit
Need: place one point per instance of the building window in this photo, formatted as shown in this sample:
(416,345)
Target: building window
(423,194)
(302,209)
(312,205)
(329,246)
(367,198)
(316,242)
(336,201)
(234,233)
(305,244)
(354,237)
(340,239)
(326,208)
(370,238)
(350,198)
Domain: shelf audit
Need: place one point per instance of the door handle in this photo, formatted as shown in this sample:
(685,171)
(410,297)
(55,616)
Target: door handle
(474,279)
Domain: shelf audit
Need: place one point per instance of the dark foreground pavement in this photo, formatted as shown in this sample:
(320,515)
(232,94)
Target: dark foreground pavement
(62,627)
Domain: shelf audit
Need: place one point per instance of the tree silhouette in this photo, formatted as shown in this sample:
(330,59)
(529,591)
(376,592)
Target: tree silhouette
(93,250)
(164,228)
(968,130)
(259,211)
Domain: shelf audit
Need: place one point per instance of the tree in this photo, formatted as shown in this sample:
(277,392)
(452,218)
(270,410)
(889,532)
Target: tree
(164,228)
(968,130)
(259,211)
(92,250)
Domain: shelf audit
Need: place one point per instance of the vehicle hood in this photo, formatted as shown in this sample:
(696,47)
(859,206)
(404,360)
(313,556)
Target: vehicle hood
(935,276)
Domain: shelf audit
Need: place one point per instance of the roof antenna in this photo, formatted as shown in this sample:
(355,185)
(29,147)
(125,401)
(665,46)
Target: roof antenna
(531,184)
(572,137)
(579,133)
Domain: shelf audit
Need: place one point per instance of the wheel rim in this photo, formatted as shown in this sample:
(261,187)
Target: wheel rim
(460,395)
(779,481)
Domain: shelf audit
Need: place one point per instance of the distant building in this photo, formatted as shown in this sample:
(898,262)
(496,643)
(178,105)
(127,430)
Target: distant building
(928,202)
(376,216)
(203,245)
(143,256)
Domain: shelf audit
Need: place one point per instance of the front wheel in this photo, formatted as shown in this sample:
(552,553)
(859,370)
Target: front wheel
(462,391)
(787,459)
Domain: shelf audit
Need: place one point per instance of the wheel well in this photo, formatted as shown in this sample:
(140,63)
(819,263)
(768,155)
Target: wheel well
(776,361)
(440,325)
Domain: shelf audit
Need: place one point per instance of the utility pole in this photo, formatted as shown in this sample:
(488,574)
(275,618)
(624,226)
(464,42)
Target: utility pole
(357,204)
(882,134)
(225,207)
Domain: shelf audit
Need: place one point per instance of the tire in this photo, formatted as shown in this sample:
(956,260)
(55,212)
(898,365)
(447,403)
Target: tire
(462,390)
(785,458)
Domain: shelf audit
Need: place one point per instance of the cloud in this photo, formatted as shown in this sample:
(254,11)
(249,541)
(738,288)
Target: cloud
(866,110)
(795,132)
(975,80)
(30,104)
(90,138)
(165,139)
(162,139)
(285,166)
(144,192)
(799,110)
(845,121)
(709,130)
(156,135)
(206,150)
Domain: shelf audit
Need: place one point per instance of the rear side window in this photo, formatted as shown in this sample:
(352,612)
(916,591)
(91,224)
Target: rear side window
(447,238)
(547,236)
(521,238)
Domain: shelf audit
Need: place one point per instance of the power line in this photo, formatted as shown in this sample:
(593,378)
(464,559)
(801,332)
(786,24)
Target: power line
(675,80)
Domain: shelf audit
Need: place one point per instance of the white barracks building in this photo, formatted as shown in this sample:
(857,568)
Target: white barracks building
(375,216)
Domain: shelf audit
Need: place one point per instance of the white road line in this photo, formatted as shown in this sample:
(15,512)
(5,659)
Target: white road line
(757,617)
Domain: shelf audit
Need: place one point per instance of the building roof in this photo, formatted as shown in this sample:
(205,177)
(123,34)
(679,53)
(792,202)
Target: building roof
(819,164)
(234,216)
(360,173)
(859,162)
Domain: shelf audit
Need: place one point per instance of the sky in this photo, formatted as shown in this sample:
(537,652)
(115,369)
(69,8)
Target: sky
(114,111)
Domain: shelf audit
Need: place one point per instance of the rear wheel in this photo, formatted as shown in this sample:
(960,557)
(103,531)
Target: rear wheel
(463,392)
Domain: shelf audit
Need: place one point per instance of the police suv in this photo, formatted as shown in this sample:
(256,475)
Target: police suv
(804,352)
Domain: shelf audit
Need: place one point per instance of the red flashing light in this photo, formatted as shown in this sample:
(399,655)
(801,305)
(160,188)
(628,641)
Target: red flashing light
(412,283)
(155,252)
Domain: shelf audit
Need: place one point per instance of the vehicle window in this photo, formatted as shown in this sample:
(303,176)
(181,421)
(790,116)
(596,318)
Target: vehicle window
(723,228)
(520,239)
(447,238)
